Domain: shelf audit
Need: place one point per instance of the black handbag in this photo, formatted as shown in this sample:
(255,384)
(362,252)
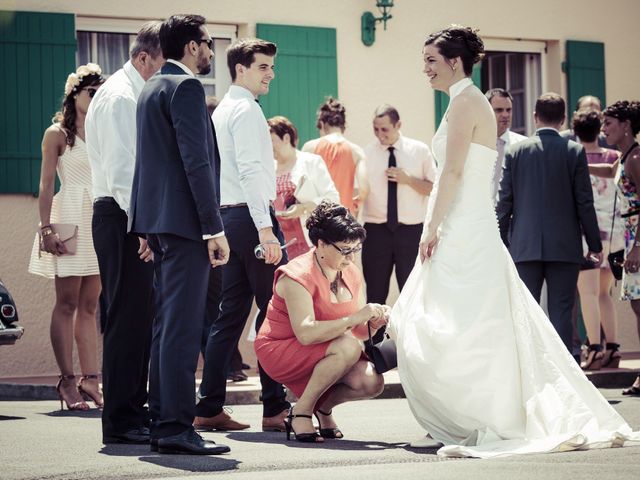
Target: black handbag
(383,355)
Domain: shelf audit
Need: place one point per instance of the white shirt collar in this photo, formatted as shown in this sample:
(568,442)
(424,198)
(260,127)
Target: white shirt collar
(458,87)
(241,91)
(136,79)
(396,145)
(182,66)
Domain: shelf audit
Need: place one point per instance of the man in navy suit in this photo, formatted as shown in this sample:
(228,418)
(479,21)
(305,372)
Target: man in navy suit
(545,206)
(175,204)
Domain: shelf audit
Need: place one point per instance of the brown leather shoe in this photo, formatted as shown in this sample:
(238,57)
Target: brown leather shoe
(221,422)
(275,423)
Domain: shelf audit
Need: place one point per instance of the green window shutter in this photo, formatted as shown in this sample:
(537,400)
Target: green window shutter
(306,72)
(584,67)
(37,52)
(442,99)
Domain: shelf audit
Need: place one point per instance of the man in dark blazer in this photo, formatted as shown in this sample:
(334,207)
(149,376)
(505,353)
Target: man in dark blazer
(175,203)
(545,206)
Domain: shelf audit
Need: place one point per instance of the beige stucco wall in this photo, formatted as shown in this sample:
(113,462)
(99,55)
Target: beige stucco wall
(389,71)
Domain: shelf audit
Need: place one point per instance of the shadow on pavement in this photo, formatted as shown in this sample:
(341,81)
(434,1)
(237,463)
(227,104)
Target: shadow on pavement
(192,463)
(328,444)
(92,413)
(9,417)
(125,450)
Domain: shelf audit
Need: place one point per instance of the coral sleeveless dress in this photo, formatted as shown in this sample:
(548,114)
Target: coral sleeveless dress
(342,168)
(279,352)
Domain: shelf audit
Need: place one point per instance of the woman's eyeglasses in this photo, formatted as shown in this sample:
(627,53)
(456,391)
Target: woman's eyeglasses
(347,251)
(90,91)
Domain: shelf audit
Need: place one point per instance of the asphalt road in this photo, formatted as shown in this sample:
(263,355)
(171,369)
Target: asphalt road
(39,442)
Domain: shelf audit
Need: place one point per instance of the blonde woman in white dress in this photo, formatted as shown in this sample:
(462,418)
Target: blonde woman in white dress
(76,277)
(483,369)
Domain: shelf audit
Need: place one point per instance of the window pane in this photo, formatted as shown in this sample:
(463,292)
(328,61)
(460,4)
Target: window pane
(516,71)
(498,71)
(113,51)
(84,48)
(518,122)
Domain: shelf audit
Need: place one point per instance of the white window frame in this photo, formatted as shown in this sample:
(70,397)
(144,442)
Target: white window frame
(131,26)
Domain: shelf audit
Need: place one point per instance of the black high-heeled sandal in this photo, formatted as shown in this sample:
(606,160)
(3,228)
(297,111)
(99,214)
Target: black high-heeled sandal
(612,356)
(95,397)
(632,390)
(313,437)
(328,432)
(594,358)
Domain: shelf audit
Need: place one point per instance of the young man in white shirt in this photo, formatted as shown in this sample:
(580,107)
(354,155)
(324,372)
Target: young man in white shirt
(125,271)
(247,189)
(401,172)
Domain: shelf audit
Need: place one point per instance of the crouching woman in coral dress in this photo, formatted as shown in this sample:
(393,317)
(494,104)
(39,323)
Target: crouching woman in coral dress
(310,339)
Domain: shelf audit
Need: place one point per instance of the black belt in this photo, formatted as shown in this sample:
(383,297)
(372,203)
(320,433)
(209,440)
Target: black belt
(105,199)
(235,205)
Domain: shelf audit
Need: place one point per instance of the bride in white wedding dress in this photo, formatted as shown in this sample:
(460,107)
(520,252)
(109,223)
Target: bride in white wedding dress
(483,369)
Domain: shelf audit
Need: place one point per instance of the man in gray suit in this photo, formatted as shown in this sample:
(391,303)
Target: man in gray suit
(545,206)
(175,204)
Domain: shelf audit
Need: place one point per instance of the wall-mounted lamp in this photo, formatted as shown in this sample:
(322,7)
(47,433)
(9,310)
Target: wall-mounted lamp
(368,21)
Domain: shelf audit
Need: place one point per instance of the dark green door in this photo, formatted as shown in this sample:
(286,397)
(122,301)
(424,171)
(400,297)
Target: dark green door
(37,52)
(584,67)
(306,72)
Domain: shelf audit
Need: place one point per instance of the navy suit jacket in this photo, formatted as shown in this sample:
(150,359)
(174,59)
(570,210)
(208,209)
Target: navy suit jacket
(546,203)
(175,184)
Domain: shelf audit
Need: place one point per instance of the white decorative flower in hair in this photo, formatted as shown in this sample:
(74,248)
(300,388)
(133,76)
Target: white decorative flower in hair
(75,79)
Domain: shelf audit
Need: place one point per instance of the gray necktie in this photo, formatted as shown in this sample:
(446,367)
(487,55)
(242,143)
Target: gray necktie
(497,171)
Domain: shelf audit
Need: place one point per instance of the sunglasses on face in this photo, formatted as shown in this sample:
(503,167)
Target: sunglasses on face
(347,251)
(208,41)
(90,91)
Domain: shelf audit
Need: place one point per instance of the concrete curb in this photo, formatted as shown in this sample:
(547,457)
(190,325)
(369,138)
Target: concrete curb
(247,393)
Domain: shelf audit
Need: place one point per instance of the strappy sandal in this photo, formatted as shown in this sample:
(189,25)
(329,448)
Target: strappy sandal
(95,397)
(312,437)
(632,390)
(328,432)
(77,406)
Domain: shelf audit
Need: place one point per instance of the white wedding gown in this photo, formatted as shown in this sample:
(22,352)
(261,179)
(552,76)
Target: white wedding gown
(481,365)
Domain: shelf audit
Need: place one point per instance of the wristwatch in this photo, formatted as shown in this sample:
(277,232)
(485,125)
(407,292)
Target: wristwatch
(46,231)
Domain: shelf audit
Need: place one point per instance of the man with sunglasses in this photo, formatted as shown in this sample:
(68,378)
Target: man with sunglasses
(126,311)
(174,203)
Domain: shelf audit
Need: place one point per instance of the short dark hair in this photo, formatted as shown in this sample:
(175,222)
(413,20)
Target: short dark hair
(147,40)
(389,111)
(177,31)
(458,41)
(624,110)
(243,52)
(332,113)
(331,223)
(498,92)
(586,124)
(281,126)
(585,97)
(550,108)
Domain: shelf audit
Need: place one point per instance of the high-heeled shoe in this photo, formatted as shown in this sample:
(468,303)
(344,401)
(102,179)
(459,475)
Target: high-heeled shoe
(81,405)
(594,358)
(94,396)
(612,356)
(633,390)
(327,432)
(312,437)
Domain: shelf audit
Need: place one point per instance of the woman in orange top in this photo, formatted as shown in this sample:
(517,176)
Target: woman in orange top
(309,340)
(344,159)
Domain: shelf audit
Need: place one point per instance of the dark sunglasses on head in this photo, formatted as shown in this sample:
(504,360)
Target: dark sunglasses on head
(347,251)
(90,91)
(208,41)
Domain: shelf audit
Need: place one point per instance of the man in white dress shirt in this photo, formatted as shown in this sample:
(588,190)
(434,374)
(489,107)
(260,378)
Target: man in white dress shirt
(125,271)
(247,189)
(401,172)
(502,103)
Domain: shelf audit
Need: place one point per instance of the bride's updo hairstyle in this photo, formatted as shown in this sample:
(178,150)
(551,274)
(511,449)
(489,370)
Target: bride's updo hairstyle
(624,110)
(458,41)
(333,223)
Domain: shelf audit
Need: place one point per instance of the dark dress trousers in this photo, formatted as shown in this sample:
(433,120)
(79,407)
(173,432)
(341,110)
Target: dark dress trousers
(174,202)
(545,206)
(126,318)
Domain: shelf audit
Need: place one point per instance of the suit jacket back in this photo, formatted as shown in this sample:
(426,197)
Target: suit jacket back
(546,201)
(175,186)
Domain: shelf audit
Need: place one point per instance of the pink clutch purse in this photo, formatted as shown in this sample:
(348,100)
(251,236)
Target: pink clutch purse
(68,234)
